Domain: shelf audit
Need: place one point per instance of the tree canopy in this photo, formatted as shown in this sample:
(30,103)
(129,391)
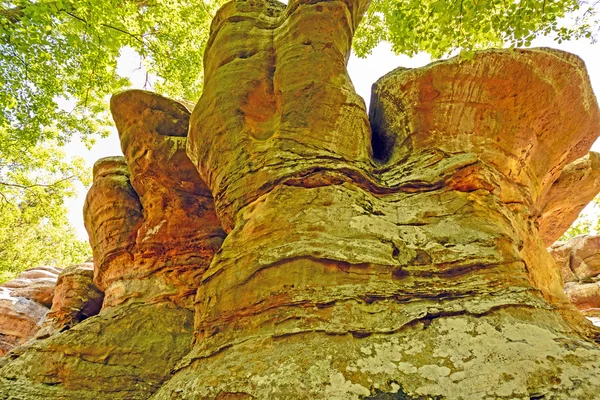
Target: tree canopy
(34,228)
(53,50)
(58,64)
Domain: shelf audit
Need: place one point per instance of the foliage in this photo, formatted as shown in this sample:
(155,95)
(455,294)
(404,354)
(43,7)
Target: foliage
(438,27)
(33,225)
(587,223)
(53,50)
(581,226)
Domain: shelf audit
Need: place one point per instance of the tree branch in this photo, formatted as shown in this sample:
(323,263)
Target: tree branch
(136,37)
(13,15)
(37,184)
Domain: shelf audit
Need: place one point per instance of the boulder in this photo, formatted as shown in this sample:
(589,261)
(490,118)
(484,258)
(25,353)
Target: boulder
(24,303)
(579,262)
(76,298)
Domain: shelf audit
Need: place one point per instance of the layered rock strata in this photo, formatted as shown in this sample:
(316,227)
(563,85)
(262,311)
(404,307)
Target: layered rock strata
(179,232)
(24,303)
(112,229)
(397,259)
(579,263)
(153,231)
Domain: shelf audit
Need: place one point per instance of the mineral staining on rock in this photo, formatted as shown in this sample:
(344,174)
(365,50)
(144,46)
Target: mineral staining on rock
(366,257)
(422,244)
(112,230)
(179,232)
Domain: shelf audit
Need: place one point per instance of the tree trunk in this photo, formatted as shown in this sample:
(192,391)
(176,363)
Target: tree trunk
(389,256)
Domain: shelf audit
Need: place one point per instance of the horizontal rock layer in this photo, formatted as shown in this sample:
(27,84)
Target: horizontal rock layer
(395,261)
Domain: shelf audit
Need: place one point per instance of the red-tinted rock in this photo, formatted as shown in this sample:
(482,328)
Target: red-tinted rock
(76,298)
(180,232)
(24,303)
(112,230)
(384,267)
(579,263)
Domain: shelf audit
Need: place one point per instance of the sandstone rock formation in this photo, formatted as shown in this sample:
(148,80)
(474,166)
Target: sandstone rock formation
(24,303)
(112,230)
(179,232)
(153,231)
(45,300)
(395,255)
(76,298)
(579,262)
(405,267)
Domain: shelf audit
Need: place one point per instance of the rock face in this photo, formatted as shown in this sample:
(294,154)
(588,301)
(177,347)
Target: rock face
(397,255)
(579,262)
(24,303)
(397,261)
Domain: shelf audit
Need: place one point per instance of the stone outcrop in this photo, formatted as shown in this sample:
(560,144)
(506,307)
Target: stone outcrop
(112,230)
(579,263)
(24,303)
(44,300)
(153,231)
(395,255)
(76,298)
(396,259)
(179,232)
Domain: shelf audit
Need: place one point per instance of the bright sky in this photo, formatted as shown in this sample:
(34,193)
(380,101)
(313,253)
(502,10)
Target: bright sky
(364,72)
